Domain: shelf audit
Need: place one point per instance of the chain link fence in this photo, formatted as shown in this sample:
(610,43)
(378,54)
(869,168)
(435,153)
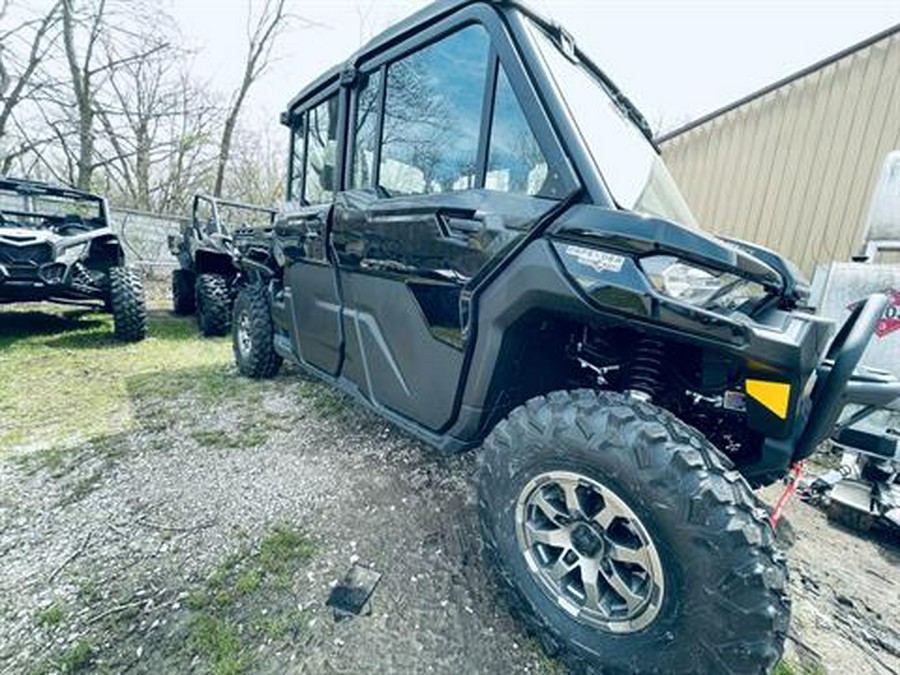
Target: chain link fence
(145,238)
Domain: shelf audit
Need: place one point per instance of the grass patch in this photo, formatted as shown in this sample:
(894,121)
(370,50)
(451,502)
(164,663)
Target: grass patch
(785,667)
(56,461)
(76,659)
(49,617)
(282,550)
(326,401)
(288,624)
(64,378)
(219,642)
(249,434)
(89,592)
(247,588)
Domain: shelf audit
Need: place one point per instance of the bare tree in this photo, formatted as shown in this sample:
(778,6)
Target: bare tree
(94,93)
(88,31)
(190,165)
(81,71)
(142,98)
(17,76)
(261,40)
(257,173)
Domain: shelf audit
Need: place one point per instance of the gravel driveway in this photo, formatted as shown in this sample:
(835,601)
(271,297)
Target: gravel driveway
(204,529)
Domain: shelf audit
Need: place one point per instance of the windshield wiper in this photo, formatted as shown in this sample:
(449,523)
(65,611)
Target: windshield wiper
(564,41)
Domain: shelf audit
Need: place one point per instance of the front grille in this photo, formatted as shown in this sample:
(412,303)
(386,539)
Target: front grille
(35,254)
(23,273)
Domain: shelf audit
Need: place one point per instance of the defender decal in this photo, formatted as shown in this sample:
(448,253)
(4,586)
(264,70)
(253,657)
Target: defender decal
(598,260)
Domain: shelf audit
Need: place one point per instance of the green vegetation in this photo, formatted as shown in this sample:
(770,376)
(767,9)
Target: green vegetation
(219,642)
(248,588)
(65,379)
(290,623)
(76,659)
(326,402)
(785,667)
(546,665)
(249,434)
(49,617)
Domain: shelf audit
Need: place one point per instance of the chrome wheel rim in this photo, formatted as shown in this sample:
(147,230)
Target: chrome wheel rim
(245,342)
(589,552)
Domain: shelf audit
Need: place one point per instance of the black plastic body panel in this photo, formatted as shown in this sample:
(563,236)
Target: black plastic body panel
(407,302)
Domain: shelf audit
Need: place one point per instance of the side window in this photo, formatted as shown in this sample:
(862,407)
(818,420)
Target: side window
(321,143)
(432,116)
(296,187)
(515,161)
(366,132)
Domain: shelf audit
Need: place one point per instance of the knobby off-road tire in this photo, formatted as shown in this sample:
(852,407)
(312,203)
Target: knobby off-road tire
(253,334)
(183,300)
(126,301)
(721,603)
(213,304)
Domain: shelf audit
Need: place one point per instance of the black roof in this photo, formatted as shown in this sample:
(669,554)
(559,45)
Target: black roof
(438,10)
(396,32)
(26,185)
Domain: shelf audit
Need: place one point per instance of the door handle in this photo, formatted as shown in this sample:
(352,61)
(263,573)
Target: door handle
(465,225)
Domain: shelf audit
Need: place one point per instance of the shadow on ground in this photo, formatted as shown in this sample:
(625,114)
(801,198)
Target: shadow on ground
(162,325)
(16,326)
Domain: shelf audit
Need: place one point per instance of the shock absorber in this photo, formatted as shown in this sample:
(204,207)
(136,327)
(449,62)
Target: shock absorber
(645,372)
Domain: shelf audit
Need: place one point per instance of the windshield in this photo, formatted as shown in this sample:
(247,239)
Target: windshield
(37,209)
(634,173)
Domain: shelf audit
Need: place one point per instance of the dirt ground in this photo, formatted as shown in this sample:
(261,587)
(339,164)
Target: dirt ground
(179,518)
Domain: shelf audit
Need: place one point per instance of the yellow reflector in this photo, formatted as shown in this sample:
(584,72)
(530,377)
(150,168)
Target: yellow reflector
(773,395)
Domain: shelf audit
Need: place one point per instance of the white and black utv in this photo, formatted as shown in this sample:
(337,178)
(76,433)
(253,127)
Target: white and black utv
(56,245)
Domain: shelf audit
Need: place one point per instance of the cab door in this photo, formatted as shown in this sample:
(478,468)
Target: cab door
(302,231)
(433,196)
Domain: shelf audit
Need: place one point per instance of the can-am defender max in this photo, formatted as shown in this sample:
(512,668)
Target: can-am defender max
(483,245)
(204,281)
(56,245)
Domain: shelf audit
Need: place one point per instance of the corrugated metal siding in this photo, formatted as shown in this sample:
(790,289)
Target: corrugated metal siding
(794,168)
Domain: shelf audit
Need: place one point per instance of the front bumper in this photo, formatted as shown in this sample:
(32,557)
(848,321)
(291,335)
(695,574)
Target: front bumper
(838,383)
(42,281)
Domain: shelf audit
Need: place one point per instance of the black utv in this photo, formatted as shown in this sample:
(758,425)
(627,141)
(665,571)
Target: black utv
(56,245)
(483,245)
(204,281)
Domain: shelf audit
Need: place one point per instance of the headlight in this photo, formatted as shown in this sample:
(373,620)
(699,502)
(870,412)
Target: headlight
(72,253)
(711,289)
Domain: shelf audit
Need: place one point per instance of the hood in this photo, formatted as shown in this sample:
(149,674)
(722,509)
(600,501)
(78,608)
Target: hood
(23,236)
(644,235)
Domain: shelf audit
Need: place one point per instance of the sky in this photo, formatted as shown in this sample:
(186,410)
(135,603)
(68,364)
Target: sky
(676,59)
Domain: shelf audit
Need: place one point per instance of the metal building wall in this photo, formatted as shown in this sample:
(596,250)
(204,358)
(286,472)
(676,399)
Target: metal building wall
(793,167)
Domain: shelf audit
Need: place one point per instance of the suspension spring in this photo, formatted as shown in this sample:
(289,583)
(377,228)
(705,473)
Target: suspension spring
(645,373)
